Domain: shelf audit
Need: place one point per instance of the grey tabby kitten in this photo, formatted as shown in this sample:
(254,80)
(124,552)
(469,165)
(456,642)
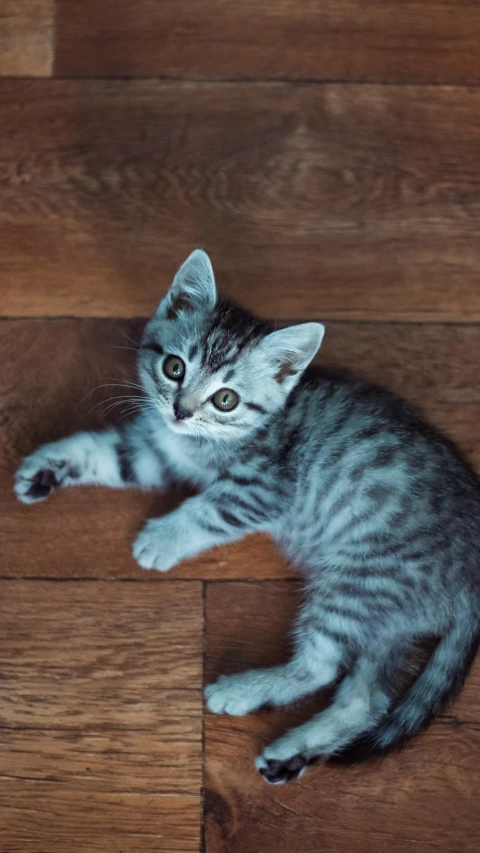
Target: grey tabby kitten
(376,509)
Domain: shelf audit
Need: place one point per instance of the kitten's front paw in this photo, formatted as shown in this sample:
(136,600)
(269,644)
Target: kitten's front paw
(151,547)
(231,695)
(39,474)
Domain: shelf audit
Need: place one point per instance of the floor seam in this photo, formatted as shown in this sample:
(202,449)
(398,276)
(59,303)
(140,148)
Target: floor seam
(282,321)
(274,81)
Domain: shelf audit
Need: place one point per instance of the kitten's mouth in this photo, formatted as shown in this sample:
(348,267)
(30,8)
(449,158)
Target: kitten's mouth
(175,425)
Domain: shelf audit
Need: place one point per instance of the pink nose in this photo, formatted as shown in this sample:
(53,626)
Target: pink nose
(181,413)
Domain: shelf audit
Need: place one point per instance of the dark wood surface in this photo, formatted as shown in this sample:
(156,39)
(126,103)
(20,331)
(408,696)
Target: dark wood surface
(374,40)
(26,38)
(327,155)
(357,202)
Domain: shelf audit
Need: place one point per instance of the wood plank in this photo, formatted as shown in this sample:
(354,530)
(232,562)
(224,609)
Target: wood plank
(356,202)
(26,38)
(54,819)
(434,41)
(422,798)
(100,716)
(47,367)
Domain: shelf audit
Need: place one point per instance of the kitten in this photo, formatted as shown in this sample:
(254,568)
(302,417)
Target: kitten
(375,508)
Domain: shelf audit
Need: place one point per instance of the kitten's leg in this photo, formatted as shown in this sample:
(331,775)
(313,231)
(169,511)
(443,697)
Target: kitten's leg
(315,664)
(359,703)
(319,653)
(214,517)
(117,457)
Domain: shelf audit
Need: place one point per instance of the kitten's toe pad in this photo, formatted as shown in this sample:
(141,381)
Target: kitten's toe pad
(286,758)
(277,771)
(229,696)
(38,476)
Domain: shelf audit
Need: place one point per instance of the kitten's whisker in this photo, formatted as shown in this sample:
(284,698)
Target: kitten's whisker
(122,401)
(130,349)
(115,384)
(122,384)
(131,410)
(125,398)
(127,414)
(129,382)
(127,337)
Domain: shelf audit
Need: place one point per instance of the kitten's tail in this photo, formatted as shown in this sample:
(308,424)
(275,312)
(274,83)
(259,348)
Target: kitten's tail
(441,679)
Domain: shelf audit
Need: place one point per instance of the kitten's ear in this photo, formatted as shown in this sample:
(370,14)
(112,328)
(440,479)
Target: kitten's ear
(193,288)
(290,350)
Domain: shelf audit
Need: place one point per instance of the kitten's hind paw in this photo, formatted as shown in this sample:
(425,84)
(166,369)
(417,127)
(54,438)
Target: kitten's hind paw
(39,474)
(286,758)
(277,771)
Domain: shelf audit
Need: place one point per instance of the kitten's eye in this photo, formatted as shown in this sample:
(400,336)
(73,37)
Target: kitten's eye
(174,368)
(225,400)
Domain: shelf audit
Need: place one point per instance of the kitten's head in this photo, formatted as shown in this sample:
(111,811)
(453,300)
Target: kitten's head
(210,368)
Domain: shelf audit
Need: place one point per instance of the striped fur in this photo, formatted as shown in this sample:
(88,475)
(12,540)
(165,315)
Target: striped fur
(375,508)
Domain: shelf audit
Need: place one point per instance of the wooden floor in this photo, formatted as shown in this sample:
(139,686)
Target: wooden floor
(327,155)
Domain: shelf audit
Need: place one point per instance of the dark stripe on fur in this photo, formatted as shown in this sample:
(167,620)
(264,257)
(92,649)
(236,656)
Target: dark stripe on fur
(127,472)
(153,347)
(253,512)
(159,453)
(229,518)
(212,528)
(256,408)
(246,481)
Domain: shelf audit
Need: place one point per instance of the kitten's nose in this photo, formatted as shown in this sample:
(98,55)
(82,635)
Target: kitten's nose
(181,413)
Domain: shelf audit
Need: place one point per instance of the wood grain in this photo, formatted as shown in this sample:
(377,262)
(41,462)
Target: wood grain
(315,201)
(100,716)
(48,369)
(432,41)
(423,798)
(26,38)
